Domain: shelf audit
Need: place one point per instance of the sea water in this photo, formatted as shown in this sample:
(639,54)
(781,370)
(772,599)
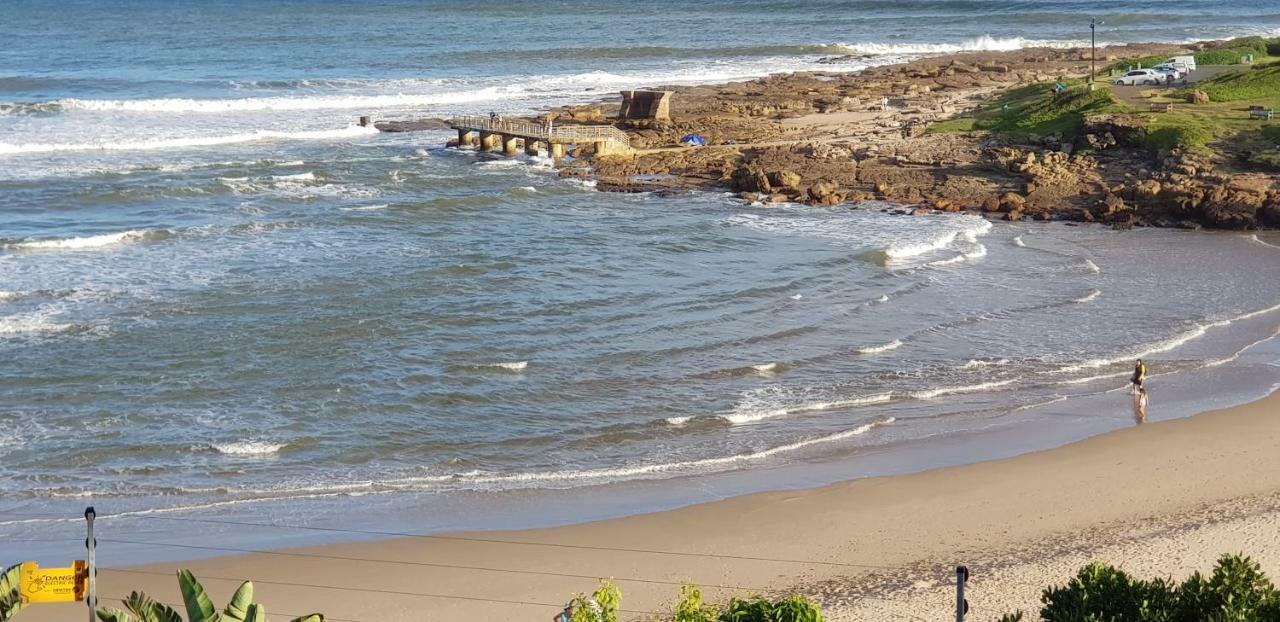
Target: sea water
(221,299)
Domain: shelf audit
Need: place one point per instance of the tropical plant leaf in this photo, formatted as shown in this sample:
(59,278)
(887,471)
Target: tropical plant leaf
(114,615)
(315,617)
(10,600)
(255,612)
(199,607)
(148,610)
(238,608)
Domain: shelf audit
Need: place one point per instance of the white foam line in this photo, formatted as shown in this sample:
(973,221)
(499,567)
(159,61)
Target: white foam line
(972,388)
(766,367)
(892,345)
(94,241)
(976,363)
(650,469)
(247,448)
(1054,400)
(366,208)
(753,416)
(174,143)
(1092,267)
(1255,238)
(984,43)
(511,366)
(1093,295)
(1017,241)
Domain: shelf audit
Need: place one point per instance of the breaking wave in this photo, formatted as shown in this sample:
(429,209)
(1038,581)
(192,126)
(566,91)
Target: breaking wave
(892,345)
(91,242)
(247,448)
(510,366)
(1091,296)
(984,43)
(177,143)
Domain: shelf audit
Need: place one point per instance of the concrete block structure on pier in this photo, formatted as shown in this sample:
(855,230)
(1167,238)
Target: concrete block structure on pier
(488,133)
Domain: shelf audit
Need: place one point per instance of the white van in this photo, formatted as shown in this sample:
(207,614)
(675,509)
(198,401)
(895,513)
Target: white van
(1185,63)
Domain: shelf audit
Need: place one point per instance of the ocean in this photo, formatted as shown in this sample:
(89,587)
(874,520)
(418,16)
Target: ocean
(221,299)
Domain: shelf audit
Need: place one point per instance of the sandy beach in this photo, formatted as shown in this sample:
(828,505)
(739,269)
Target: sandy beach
(1157,499)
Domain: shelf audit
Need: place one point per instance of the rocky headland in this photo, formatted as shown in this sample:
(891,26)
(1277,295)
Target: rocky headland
(882,133)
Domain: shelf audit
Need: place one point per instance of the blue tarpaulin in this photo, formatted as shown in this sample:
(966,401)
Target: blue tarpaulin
(693,140)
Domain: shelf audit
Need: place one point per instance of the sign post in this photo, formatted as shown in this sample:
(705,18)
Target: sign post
(92,570)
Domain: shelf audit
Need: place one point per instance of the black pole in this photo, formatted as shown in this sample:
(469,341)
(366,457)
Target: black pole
(1093,49)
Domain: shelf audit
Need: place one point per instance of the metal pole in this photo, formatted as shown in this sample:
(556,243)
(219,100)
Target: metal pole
(91,544)
(962,607)
(1093,48)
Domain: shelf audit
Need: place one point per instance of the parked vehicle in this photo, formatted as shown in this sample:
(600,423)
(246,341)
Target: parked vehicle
(1185,63)
(1146,77)
(1168,70)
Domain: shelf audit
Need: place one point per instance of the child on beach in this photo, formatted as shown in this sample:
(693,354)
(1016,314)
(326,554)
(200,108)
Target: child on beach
(1140,406)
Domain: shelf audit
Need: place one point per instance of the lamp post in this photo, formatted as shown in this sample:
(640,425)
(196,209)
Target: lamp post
(1093,48)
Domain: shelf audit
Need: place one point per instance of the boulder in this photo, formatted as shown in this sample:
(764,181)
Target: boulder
(1197,97)
(784,179)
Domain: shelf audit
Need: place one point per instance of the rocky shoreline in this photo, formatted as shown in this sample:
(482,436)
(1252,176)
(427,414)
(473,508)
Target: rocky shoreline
(830,139)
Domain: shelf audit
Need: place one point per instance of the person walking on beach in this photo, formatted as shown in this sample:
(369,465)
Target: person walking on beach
(1139,375)
(1140,406)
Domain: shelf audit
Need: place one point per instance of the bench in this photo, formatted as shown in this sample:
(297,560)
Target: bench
(1261,113)
(1161,107)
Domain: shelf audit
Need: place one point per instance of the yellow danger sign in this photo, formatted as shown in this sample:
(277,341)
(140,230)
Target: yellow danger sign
(52,585)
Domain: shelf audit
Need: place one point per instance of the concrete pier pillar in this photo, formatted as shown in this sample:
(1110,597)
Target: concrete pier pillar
(531,147)
(466,138)
(509,145)
(488,141)
(557,151)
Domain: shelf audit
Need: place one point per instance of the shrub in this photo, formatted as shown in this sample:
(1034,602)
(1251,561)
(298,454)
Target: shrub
(601,606)
(793,609)
(1237,591)
(141,608)
(10,601)
(1255,45)
(1184,137)
(690,607)
(1269,159)
(1273,47)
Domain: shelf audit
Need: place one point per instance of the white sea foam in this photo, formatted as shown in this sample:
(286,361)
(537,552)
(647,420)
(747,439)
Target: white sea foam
(980,363)
(90,242)
(1091,267)
(892,345)
(567,476)
(882,298)
(324,102)
(247,448)
(1017,241)
(677,421)
(756,409)
(366,208)
(797,296)
(765,368)
(973,227)
(510,366)
(1255,238)
(36,322)
(1090,297)
(192,141)
(1165,345)
(984,43)
(929,394)
(308,176)
(527,188)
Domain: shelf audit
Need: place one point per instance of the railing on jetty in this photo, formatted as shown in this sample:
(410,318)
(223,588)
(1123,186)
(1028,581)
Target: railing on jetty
(569,134)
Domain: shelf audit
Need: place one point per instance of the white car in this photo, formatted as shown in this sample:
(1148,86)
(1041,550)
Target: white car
(1178,74)
(1147,77)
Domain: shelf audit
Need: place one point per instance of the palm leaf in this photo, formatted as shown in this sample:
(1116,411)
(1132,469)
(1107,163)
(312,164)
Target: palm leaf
(148,610)
(114,615)
(255,613)
(315,617)
(10,599)
(199,607)
(238,608)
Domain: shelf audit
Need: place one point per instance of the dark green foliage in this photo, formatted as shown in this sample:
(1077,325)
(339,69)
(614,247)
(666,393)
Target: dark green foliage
(1101,593)
(1273,47)
(1262,82)
(793,609)
(1186,137)
(1237,591)
(1272,133)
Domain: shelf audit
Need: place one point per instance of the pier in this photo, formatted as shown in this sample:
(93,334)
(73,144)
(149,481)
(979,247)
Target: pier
(491,134)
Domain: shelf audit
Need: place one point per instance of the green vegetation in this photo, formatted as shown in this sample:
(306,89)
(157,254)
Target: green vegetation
(1260,82)
(602,606)
(1036,109)
(141,608)
(10,602)
(755,609)
(1229,53)
(1237,591)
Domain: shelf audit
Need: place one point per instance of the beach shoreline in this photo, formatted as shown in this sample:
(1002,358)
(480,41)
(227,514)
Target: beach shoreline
(875,548)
